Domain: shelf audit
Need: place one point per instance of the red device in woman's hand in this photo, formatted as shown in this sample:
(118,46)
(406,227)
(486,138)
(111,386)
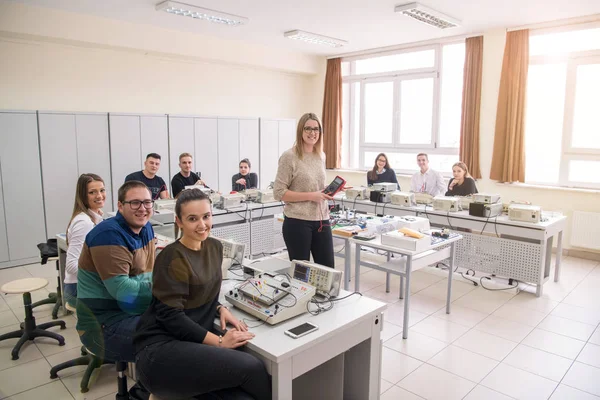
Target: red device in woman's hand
(335,186)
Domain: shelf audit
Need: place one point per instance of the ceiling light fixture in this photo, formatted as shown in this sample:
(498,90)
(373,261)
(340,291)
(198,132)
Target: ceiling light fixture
(314,38)
(186,10)
(427,15)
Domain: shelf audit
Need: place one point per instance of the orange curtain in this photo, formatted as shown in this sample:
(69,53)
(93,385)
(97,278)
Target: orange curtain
(471,102)
(508,160)
(332,114)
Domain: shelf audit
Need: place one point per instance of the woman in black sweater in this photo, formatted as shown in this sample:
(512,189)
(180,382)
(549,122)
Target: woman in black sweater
(179,353)
(244,179)
(382,172)
(462,184)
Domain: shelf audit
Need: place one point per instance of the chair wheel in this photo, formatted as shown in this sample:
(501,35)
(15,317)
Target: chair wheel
(61,343)
(85,390)
(53,376)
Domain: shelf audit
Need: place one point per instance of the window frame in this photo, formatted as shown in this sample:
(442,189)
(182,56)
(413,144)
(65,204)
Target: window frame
(357,139)
(572,60)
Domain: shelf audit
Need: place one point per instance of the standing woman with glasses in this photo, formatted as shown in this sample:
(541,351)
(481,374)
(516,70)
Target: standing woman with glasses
(300,182)
(90,195)
(382,172)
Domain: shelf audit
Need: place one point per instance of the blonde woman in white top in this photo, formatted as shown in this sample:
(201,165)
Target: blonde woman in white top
(90,196)
(299,183)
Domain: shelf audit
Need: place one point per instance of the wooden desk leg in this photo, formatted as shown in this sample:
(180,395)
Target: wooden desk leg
(407,298)
(558,257)
(357,267)
(450,272)
(387,275)
(347,264)
(281,383)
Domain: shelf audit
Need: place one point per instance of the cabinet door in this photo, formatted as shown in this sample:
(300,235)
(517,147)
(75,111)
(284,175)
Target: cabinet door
(155,139)
(206,157)
(93,152)
(22,184)
(269,150)
(287,134)
(181,140)
(229,155)
(4,256)
(125,149)
(249,147)
(58,145)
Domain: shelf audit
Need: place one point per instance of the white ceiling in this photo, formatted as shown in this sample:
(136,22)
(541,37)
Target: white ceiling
(365,24)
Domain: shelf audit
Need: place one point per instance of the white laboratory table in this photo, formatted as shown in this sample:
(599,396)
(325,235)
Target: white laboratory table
(499,246)
(341,360)
(404,266)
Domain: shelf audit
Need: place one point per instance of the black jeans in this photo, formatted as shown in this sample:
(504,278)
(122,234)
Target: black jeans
(305,237)
(177,369)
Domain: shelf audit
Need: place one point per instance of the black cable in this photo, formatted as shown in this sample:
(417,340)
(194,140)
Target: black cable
(496,226)
(494,290)
(484,225)
(384,204)
(469,279)
(448,218)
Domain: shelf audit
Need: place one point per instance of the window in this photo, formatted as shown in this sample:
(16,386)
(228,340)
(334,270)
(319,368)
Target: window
(562,138)
(403,103)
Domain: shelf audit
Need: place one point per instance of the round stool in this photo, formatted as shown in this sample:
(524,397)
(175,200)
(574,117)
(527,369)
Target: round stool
(29,330)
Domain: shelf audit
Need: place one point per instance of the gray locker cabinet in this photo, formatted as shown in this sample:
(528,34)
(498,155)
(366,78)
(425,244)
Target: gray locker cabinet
(249,147)
(22,184)
(155,139)
(93,150)
(4,256)
(58,143)
(287,135)
(206,156)
(269,150)
(125,149)
(181,140)
(229,154)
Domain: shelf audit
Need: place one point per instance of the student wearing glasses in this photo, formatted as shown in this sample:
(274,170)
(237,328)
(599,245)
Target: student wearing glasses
(90,195)
(382,172)
(115,276)
(300,182)
(244,179)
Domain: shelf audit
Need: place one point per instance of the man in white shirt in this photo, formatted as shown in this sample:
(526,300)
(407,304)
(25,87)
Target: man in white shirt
(427,180)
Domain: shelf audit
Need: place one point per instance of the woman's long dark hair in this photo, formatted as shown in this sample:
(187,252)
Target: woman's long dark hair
(372,175)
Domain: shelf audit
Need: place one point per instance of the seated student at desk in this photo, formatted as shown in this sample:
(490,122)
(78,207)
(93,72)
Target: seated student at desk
(462,184)
(179,353)
(382,172)
(245,179)
(148,176)
(185,177)
(427,180)
(90,195)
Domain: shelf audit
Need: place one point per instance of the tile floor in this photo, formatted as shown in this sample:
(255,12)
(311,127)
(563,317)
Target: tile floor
(494,344)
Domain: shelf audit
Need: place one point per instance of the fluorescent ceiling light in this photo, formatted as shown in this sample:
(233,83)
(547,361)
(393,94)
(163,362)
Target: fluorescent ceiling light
(314,38)
(427,15)
(186,10)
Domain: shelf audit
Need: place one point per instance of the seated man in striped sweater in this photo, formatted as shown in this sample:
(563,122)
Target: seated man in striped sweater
(115,276)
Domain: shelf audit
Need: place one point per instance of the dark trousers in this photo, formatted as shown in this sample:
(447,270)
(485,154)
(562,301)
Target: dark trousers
(180,370)
(115,342)
(305,237)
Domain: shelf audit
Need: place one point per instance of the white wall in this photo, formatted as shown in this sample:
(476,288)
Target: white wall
(550,199)
(55,60)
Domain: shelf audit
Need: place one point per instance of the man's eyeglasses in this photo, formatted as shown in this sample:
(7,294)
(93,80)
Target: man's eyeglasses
(136,204)
(308,129)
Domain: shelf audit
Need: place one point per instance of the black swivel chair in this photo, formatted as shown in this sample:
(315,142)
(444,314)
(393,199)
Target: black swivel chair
(47,250)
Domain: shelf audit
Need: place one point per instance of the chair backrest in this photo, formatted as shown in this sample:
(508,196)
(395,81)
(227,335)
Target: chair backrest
(48,249)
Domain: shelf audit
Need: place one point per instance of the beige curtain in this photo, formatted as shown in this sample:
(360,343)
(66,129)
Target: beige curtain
(508,160)
(332,114)
(471,101)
